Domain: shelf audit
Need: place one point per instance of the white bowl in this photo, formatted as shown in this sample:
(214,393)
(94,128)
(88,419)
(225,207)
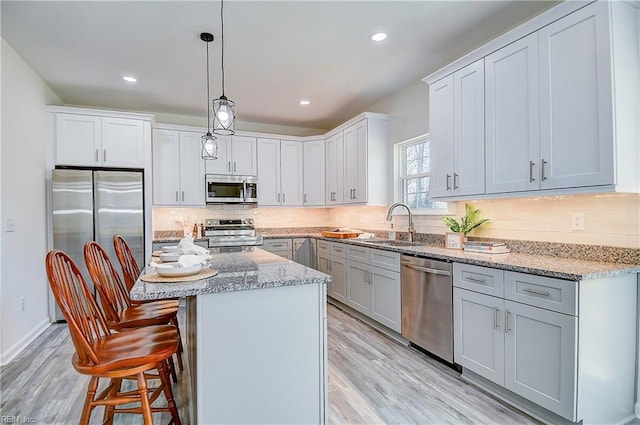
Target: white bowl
(169,257)
(177,271)
(170,248)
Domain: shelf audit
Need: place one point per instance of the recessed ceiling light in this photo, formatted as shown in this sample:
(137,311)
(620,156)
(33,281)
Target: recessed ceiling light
(305,102)
(129,78)
(378,37)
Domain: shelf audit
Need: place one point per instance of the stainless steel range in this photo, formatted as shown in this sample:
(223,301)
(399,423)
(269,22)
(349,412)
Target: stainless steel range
(234,232)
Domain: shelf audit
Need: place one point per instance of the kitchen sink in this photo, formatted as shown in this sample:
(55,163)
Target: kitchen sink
(391,242)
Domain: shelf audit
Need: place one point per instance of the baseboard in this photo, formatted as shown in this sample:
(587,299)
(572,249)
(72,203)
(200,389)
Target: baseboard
(16,348)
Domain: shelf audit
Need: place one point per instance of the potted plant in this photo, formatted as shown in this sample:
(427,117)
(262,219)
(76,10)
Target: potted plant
(460,228)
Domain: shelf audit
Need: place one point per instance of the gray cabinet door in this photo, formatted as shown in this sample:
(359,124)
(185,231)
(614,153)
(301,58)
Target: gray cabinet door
(478,333)
(511,117)
(386,303)
(441,136)
(359,287)
(339,273)
(541,357)
(576,123)
(468,130)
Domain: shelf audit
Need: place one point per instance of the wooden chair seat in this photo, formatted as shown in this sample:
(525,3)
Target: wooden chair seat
(121,351)
(139,315)
(119,311)
(99,353)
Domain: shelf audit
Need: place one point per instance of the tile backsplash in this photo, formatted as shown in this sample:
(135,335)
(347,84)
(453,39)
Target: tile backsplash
(609,219)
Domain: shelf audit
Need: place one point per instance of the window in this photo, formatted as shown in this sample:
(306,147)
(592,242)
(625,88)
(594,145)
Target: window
(414,173)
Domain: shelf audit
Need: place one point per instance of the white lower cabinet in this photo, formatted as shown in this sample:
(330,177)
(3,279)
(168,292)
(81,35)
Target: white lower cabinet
(282,247)
(304,252)
(526,333)
(334,264)
(373,285)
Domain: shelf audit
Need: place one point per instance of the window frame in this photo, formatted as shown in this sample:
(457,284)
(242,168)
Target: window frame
(399,153)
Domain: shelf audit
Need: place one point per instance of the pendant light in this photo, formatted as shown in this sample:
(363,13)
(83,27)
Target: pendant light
(224,116)
(209,143)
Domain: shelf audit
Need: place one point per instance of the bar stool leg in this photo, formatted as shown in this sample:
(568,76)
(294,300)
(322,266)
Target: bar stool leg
(88,403)
(144,399)
(168,393)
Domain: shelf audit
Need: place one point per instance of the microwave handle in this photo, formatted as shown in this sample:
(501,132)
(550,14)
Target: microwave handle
(244,190)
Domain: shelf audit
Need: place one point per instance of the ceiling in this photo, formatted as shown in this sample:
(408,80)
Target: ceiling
(276,52)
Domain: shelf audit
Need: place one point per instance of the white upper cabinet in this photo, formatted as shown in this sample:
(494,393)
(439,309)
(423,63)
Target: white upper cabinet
(560,110)
(313,153)
(291,174)
(357,162)
(457,134)
(335,169)
(95,141)
(576,127)
(280,172)
(178,168)
(237,155)
(511,117)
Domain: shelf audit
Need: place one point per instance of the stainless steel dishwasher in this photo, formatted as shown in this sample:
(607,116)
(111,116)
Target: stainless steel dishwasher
(427,305)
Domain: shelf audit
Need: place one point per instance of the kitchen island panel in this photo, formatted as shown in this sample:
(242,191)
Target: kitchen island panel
(261,356)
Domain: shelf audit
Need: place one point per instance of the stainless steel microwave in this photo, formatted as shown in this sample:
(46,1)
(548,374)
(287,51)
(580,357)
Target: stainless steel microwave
(231,189)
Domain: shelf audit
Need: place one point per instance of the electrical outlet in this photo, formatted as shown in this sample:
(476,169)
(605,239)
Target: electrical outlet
(21,303)
(577,222)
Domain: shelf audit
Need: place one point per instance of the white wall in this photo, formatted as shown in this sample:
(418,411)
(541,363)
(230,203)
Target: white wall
(23,188)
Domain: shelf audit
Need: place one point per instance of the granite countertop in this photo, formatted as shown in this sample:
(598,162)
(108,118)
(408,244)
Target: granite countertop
(542,265)
(237,271)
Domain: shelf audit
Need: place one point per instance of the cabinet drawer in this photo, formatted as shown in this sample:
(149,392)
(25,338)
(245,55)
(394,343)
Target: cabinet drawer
(479,279)
(385,259)
(545,292)
(358,253)
(339,250)
(277,244)
(324,247)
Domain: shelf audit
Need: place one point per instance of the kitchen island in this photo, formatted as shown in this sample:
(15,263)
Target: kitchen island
(255,340)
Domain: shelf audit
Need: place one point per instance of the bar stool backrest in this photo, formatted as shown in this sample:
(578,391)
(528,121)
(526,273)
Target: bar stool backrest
(86,323)
(130,269)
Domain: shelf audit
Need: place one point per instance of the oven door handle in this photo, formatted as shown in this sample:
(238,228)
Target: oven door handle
(426,269)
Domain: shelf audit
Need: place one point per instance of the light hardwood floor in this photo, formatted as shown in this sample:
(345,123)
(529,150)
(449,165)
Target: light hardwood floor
(372,380)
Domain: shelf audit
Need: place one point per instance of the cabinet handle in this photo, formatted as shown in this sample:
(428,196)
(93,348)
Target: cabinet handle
(104,155)
(283,198)
(371,277)
(278,198)
(531,165)
(337,249)
(229,166)
(448,180)
(455,178)
(534,291)
(475,280)
(329,265)
(507,313)
(276,245)
(176,196)
(234,166)
(544,177)
(304,198)
(97,155)
(183,196)
(496,312)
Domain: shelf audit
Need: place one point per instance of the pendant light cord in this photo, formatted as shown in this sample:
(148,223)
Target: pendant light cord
(222,41)
(208,113)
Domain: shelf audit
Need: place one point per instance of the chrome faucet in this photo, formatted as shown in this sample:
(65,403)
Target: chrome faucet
(411,229)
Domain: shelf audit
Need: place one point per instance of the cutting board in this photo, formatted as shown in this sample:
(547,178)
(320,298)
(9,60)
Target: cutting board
(340,235)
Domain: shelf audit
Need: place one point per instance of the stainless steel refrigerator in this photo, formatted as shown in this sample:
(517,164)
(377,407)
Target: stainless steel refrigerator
(94,205)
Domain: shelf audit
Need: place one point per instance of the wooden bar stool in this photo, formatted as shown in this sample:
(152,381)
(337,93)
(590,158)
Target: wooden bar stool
(130,354)
(114,298)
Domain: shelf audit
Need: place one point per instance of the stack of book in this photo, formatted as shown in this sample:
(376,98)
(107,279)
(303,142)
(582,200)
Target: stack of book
(486,247)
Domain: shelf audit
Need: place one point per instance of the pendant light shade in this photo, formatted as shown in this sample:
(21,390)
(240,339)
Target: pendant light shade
(208,140)
(224,115)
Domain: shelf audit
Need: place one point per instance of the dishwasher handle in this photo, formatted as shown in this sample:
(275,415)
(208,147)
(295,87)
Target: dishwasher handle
(426,269)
